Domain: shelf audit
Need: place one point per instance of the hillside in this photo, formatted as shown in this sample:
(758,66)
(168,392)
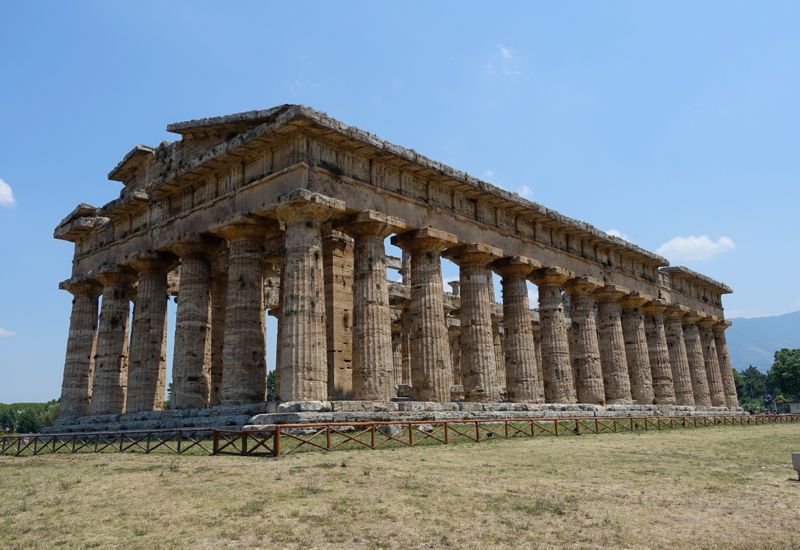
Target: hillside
(755,341)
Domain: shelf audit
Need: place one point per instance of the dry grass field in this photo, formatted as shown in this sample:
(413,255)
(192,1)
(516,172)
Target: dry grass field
(716,487)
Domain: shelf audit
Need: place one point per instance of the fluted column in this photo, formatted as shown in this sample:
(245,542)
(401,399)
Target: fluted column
(405,347)
(522,375)
(454,337)
(397,353)
(678,360)
(219,299)
(613,360)
(558,382)
(373,364)
(716,390)
(478,359)
(191,363)
(660,368)
(110,383)
(725,367)
(431,372)
(636,347)
(694,355)
(76,388)
(147,364)
(536,327)
(585,347)
(304,366)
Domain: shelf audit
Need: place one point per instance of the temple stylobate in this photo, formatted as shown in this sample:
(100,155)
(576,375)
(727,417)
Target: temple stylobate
(286,212)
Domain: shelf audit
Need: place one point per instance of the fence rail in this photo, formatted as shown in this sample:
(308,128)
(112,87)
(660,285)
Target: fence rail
(291,438)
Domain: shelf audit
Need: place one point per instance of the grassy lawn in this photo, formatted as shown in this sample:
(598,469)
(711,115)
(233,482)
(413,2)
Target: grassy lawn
(716,487)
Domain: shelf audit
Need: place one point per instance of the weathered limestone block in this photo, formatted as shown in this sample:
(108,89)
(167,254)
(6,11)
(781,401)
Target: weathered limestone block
(585,348)
(478,359)
(612,345)
(731,398)
(76,388)
(191,363)
(694,354)
(558,382)
(147,365)
(337,261)
(636,347)
(522,375)
(110,383)
(658,352)
(219,299)
(373,376)
(716,389)
(431,372)
(304,368)
(681,376)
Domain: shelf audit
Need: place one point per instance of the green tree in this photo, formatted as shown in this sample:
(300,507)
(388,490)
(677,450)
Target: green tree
(48,415)
(786,372)
(28,423)
(8,419)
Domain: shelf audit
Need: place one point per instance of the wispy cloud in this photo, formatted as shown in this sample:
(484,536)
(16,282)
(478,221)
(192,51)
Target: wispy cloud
(6,195)
(619,234)
(525,191)
(295,86)
(487,175)
(694,248)
(4,332)
(504,51)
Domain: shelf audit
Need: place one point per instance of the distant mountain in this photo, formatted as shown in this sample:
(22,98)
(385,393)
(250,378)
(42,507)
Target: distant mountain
(755,341)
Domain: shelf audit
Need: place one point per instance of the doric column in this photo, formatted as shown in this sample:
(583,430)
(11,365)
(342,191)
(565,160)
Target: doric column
(191,362)
(557,369)
(522,376)
(498,337)
(219,299)
(405,347)
(454,337)
(455,286)
(397,353)
(716,390)
(147,364)
(536,327)
(585,348)
(694,355)
(725,367)
(478,360)
(337,261)
(76,388)
(636,347)
(431,372)
(304,366)
(678,360)
(244,368)
(657,350)
(613,361)
(373,365)
(110,384)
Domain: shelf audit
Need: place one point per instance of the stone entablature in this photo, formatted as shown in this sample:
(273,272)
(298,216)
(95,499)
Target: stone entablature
(286,211)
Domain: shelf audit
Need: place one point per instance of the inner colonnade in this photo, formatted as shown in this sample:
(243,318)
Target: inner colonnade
(287,212)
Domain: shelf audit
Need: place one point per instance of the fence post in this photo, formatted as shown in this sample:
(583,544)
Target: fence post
(372,430)
(244,443)
(277,444)
(410,434)
(446,432)
(215,436)
(328,437)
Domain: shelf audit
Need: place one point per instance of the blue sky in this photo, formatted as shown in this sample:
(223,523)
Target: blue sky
(675,124)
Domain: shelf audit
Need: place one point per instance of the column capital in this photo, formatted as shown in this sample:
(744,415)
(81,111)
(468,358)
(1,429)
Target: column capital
(194,244)
(722,325)
(271,269)
(246,227)
(477,254)
(81,286)
(303,205)
(582,285)
(709,321)
(675,311)
(455,286)
(370,223)
(693,317)
(634,299)
(550,276)
(655,306)
(511,266)
(610,293)
(423,239)
(113,275)
(148,261)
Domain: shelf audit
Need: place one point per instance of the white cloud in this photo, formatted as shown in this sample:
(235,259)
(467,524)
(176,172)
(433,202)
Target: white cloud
(505,51)
(618,233)
(525,191)
(488,174)
(694,248)
(4,332)
(6,195)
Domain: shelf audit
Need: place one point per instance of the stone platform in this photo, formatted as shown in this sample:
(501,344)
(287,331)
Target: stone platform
(267,415)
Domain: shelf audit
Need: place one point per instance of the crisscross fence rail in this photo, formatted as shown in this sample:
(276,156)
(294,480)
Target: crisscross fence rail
(286,439)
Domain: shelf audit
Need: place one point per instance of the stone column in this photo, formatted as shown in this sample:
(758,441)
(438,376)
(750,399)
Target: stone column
(725,367)
(431,372)
(522,376)
(76,388)
(612,345)
(558,380)
(405,346)
(244,368)
(397,353)
(304,366)
(147,365)
(219,299)
(536,327)
(337,261)
(373,364)
(191,362)
(657,350)
(585,348)
(716,389)
(454,336)
(455,286)
(110,384)
(478,360)
(694,354)
(636,347)
(498,335)
(678,360)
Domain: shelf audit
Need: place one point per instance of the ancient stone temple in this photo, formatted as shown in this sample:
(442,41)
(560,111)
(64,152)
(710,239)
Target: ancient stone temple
(287,212)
